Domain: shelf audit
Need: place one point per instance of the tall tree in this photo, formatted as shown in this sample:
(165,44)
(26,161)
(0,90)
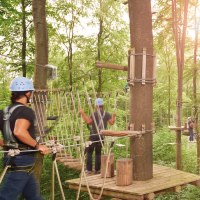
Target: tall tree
(84,43)
(25,14)
(41,41)
(195,73)
(141,92)
(179,17)
(14,20)
(41,60)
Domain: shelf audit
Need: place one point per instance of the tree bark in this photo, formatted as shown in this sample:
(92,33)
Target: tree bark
(141,94)
(41,60)
(180,47)
(41,41)
(24,38)
(99,43)
(195,114)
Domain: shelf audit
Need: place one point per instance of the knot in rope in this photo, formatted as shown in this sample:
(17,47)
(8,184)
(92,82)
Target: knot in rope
(57,147)
(13,152)
(88,143)
(77,138)
(51,142)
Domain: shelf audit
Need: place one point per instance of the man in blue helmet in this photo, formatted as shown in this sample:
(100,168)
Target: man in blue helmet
(19,179)
(98,120)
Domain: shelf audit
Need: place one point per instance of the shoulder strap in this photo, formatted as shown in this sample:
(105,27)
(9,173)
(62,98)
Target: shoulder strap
(8,112)
(101,117)
(8,135)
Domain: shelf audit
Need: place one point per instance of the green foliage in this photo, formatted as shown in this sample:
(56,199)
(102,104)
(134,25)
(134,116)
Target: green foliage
(4,90)
(11,35)
(114,43)
(188,193)
(164,147)
(65,174)
(164,154)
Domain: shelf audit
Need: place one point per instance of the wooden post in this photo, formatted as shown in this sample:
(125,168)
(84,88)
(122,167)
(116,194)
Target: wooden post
(110,169)
(141,95)
(149,196)
(124,168)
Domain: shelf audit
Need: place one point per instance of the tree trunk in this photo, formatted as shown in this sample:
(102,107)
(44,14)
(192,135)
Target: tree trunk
(41,41)
(99,50)
(179,35)
(70,50)
(40,76)
(195,114)
(24,37)
(141,94)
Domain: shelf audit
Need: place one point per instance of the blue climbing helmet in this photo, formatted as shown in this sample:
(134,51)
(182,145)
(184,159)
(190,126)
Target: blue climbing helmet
(99,102)
(21,84)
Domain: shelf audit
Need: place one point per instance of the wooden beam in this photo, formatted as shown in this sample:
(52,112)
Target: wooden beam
(111,66)
(196,183)
(149,196)
(119,133)
(176,128)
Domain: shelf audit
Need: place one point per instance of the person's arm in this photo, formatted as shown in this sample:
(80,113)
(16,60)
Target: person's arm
(112,120)
(22,134)
(86,118)
(191,124)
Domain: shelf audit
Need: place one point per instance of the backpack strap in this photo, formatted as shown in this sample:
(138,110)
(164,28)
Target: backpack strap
(9,138)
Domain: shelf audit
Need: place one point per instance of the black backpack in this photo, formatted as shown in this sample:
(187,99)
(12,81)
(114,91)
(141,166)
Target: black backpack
(9,139)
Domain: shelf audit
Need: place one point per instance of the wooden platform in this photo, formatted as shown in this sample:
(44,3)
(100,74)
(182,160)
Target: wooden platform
(69,161)
(164,179)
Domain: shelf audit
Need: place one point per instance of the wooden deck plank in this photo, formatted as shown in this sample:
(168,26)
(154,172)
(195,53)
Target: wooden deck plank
(164,178)
(109,193)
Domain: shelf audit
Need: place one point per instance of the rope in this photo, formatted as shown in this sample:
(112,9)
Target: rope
(81,176)
(104,179)
(65,127)
(59,181)
(70,125)
(86,180)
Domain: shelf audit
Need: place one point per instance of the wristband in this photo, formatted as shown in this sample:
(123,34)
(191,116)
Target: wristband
(36,146)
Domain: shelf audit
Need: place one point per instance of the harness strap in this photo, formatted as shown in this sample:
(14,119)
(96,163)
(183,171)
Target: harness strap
(8,135)
(101,118)
(28,168)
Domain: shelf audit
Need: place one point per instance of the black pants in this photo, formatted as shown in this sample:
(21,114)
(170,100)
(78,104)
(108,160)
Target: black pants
(95,146)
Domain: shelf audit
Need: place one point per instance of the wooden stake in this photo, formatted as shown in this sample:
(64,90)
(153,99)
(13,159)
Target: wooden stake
(124,168)
(110,170)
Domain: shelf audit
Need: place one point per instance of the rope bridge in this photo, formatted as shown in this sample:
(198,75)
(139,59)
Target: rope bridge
(58,119)
(61,128)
